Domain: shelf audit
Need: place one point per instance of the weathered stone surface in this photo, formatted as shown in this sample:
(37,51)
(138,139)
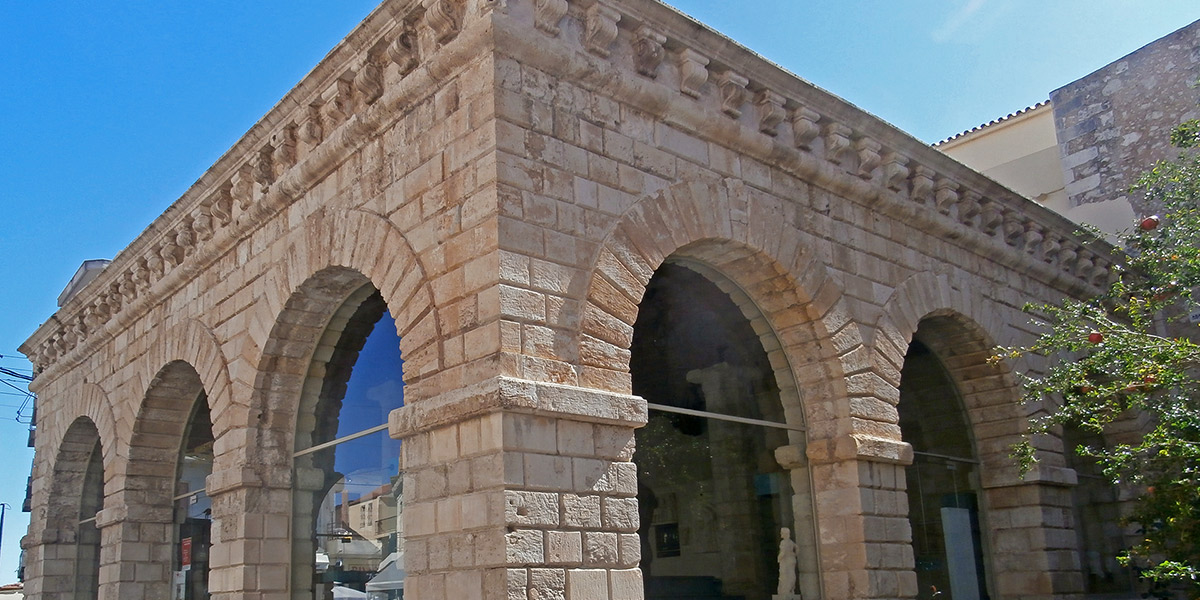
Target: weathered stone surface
(509,175)
(1114,122)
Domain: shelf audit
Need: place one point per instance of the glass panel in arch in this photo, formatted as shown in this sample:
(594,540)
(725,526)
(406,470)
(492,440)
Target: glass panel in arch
(942,482)
(359,545)
(712,496)
(193,511)
(693,348)
(712,501)
(348,494)
(87,542)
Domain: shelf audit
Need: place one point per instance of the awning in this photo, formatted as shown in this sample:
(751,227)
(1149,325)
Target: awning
(390,576)
(341,591)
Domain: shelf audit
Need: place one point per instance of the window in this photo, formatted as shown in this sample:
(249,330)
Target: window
(193,509)
(713,499)
(348,493)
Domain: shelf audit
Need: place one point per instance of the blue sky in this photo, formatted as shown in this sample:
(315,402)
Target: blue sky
(110,110)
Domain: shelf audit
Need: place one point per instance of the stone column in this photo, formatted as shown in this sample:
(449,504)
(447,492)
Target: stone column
(1032,533)
(135,546)
(50,563)
(250,556)
(519,489)
(862,508)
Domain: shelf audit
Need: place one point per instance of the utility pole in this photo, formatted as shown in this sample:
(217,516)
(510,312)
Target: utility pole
(3,507)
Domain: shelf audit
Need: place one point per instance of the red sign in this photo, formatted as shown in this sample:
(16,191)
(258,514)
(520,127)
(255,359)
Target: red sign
(185,551)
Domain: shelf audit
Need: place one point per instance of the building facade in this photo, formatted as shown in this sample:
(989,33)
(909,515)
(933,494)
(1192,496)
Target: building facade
(545,299)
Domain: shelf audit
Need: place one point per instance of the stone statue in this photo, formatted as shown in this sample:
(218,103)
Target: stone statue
(787,564)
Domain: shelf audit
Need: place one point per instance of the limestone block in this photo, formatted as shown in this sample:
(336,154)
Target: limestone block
(576,438)
(581,511)
(438,547)
(491,547)
(466,584)
(587,584)
(620,514)
(530,433)
(547,472)
(449,514)
(591,475)
(525,547)
(600,548)
(462,550)
(564,547)
(531,508)
(420,518)
(487,471)
(547,583)
(480,510)
(430,483)
(613,442)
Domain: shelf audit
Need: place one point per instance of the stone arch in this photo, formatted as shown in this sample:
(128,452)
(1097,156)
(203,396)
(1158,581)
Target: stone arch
(94,405)
(749,243)
(962,328)
(382,254)
(70,463)
(159,427)
(196,344)
(333,256)
(69,554)
(334,253)
(145,522)
(750,239)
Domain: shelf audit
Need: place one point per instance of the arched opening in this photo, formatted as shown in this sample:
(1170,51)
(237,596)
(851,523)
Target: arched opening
(347,484)
(712,497)
(193,508)
(72,568)
(943,482)
(1097,508)
(87,542)
(170,456)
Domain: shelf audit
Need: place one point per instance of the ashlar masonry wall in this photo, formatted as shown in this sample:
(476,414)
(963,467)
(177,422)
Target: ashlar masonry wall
(1115,123)
(509,175)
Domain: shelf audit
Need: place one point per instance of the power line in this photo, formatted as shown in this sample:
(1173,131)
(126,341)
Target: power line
(12,373)
(9,384)
(16,358)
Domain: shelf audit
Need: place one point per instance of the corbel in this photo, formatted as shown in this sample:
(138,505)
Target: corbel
(693,71)
(837,141)
(895,171)
(868,156)
(601,28)
(733,92)
(548,13)
(770,111)
(648,52)
(804,127)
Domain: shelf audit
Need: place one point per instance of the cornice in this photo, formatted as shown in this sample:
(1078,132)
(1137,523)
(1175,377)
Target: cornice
(684,74)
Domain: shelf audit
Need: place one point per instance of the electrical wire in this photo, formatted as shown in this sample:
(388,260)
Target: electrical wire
(12,373)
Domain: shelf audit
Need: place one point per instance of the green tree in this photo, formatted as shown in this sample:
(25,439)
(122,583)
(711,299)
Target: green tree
(1129,353)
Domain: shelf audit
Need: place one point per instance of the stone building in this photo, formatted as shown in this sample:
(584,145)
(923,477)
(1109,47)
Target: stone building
(557,299)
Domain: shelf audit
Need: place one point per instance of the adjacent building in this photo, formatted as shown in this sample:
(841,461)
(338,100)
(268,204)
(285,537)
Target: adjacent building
(1081,151)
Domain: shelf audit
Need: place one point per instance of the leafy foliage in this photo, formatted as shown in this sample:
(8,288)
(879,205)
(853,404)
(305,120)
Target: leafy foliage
(1129,355)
